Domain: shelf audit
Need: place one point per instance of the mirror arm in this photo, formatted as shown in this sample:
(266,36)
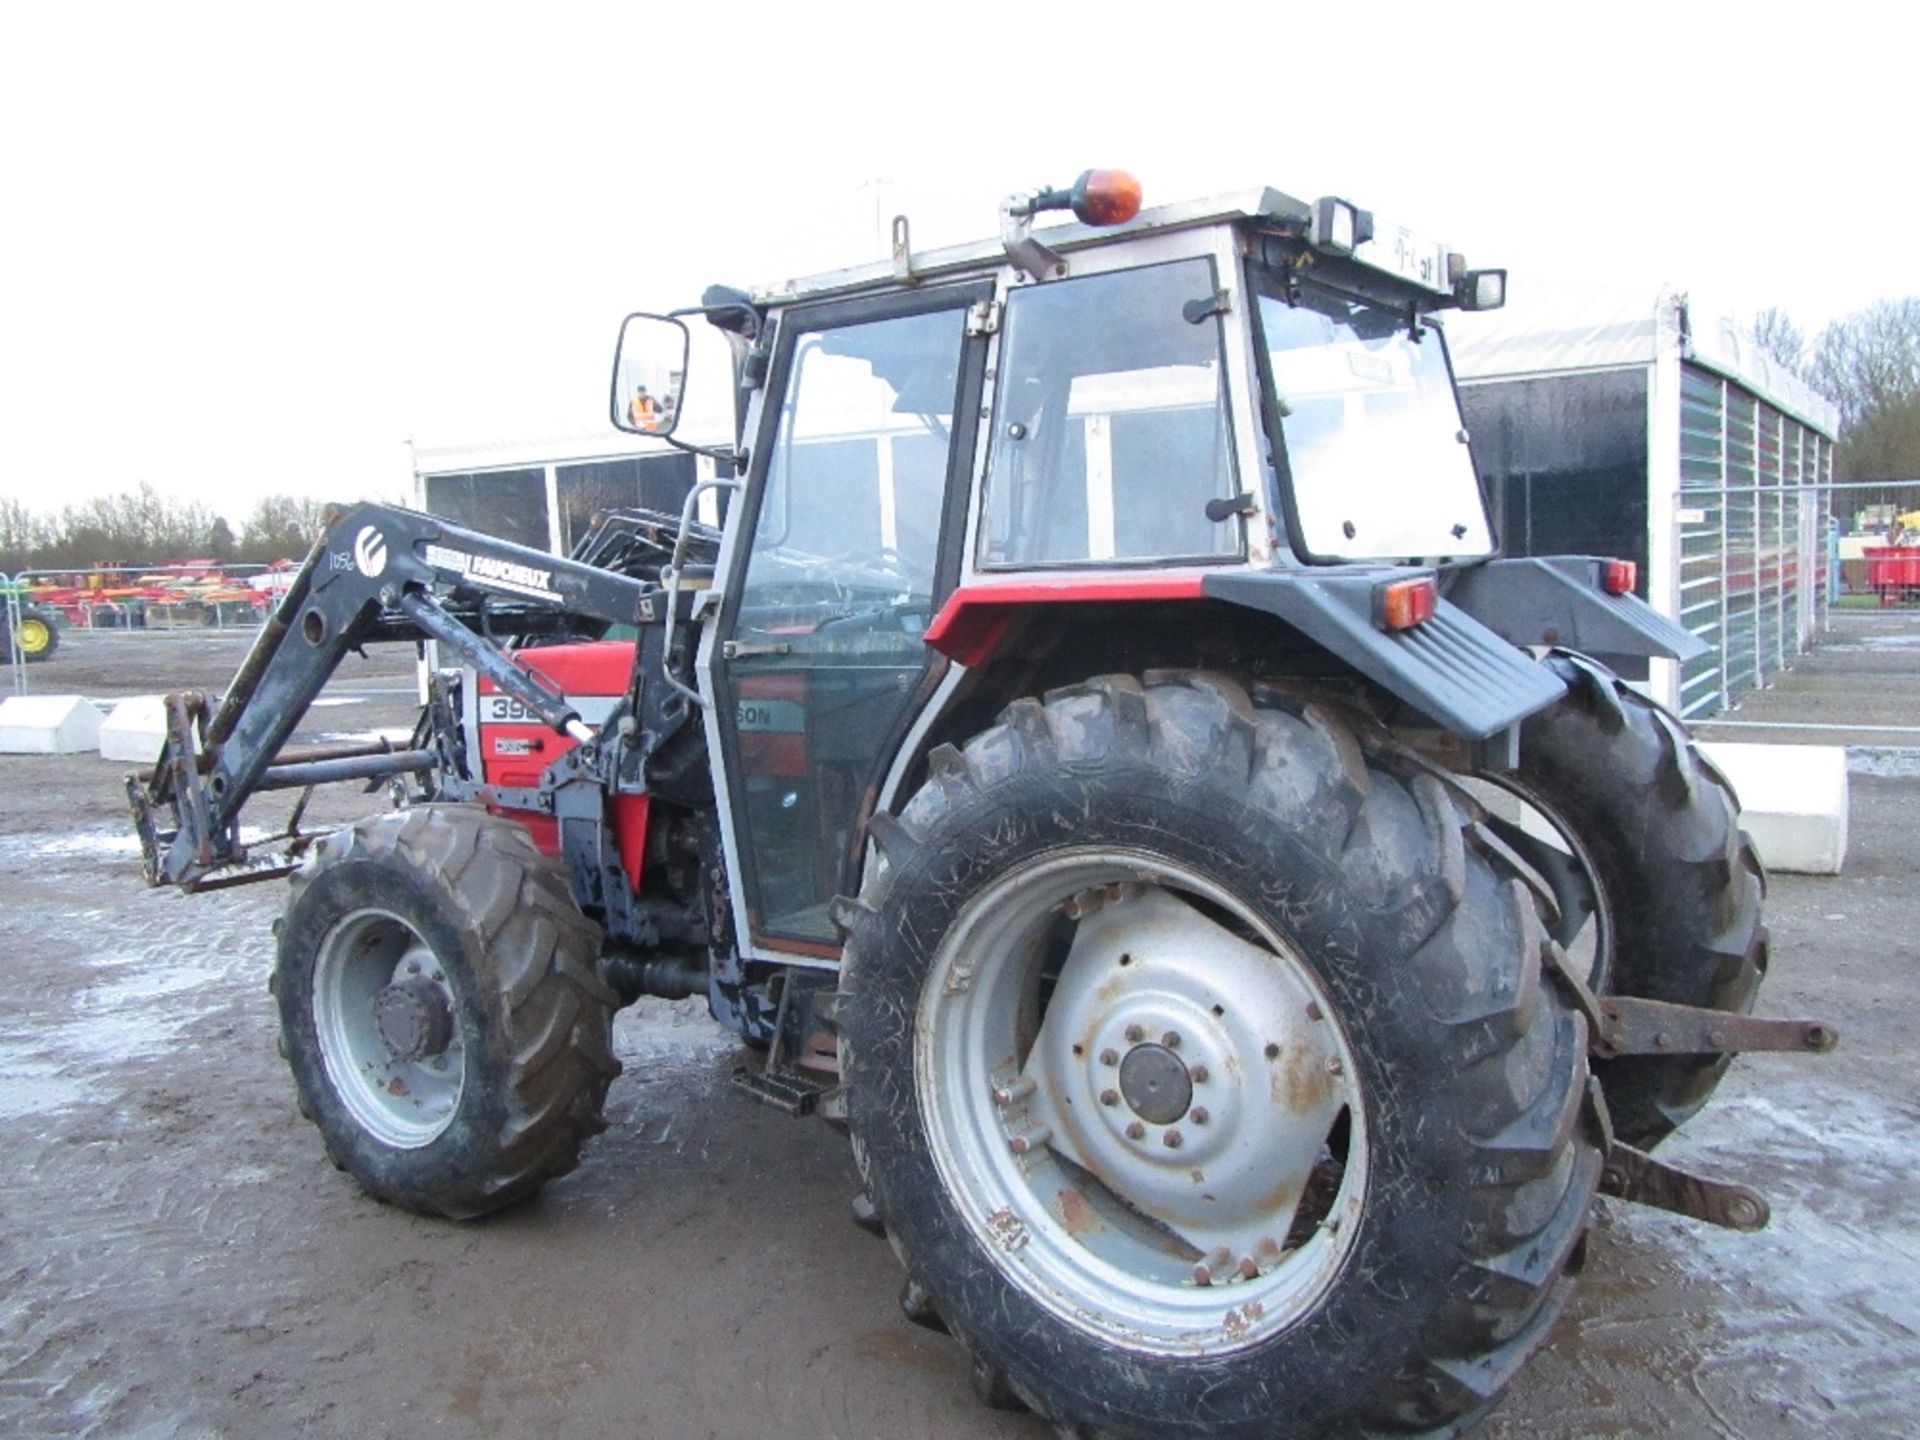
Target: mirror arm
(722,454)
(727,308)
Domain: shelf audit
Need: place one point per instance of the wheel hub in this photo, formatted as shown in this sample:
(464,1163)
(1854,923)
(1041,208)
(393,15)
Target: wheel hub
(414,1019)
(1188,1071)
(1187,1116)
(384,1016)
(1155,1084)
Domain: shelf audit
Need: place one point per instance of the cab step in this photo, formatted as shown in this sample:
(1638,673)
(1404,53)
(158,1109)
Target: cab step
(784,1090)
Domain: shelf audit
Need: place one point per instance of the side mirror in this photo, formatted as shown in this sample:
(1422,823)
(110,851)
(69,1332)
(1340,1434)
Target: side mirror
(649,373)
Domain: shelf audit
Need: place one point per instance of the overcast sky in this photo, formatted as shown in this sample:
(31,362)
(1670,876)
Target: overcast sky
(254,248)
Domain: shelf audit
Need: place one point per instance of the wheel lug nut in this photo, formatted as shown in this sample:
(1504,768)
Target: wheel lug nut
(1171,1039)
(1109,1097)
(1199,1115)
(1135,1034)
(1032,1140)
(1218,1264)
(1109,1057)
(1198,1074)
(1173,1140)
(1334,1067)
(1136,1131)
(1018,1089)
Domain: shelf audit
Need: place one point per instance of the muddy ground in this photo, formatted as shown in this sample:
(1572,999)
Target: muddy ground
(177,1258)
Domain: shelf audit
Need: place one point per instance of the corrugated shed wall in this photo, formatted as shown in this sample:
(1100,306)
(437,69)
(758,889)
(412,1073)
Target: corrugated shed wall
(1753,555)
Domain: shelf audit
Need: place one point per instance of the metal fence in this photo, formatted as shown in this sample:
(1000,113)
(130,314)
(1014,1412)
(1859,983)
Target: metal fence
(137,599)
(1756,560)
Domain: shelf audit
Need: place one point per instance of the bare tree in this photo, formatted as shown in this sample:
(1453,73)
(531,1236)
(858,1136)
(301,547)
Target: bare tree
(22,535)
(1868,364)
(281,527)
(141,527)
(1780,339)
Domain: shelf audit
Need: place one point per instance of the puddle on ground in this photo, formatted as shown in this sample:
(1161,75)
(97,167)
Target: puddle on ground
(118,844)
(1906,641)
(138,1014)
(33,1085)
(1824,1303)
(88,844)
(1884,762)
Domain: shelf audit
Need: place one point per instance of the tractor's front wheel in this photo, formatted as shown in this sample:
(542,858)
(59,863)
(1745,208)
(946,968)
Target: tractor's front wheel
(1203,1074)
(39,637)
(440,1009)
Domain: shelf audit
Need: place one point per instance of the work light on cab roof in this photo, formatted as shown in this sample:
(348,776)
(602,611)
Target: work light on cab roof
(1099,198)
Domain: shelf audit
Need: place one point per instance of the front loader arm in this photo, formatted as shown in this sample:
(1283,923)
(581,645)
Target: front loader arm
(378,573)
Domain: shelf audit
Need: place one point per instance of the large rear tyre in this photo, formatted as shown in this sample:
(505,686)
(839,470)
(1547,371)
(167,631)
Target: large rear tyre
(1200,1067)
(1675,882)
(440,1009)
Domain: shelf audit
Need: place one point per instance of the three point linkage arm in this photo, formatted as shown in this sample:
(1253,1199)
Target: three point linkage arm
(377,574)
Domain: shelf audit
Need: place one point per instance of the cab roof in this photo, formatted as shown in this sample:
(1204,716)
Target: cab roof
(1266,206)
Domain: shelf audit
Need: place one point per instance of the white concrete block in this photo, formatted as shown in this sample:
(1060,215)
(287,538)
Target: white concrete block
(1793,802)
(135,730)
(48,725)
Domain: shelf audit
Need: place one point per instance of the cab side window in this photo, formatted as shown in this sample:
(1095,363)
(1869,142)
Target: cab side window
(1111,429)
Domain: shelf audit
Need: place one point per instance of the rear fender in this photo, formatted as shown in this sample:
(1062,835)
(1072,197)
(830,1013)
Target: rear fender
(1557,600)
(1450,667)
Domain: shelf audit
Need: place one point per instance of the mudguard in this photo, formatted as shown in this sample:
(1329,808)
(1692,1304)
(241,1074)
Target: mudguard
(1557,600)
(1451,667)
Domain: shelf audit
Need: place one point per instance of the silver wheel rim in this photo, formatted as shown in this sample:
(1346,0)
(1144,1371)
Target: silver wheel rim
(387,1022)
(1163,1143)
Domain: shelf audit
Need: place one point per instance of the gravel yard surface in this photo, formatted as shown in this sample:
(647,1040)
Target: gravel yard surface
(178,1259)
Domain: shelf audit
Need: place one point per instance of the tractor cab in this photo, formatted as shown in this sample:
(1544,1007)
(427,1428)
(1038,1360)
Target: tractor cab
(1120,408)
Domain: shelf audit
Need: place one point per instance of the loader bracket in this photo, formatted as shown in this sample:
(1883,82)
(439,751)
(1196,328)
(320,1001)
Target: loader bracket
(1634,1175)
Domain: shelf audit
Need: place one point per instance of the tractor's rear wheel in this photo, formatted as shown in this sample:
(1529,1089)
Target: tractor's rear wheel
(1202,1073)
(1673,884)
(440,1009)
(39,637)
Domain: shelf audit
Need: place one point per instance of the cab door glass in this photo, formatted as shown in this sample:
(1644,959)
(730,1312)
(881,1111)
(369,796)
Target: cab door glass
(826,645)
(1111,431)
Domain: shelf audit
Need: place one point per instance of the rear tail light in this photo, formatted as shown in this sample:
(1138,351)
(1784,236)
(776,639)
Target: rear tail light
(1618,577)
(1405,603)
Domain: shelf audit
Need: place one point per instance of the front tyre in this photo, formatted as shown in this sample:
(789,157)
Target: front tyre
(39,636)
(440,1009)
(1202,1073)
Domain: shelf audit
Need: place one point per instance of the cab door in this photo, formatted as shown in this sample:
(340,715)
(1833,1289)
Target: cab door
(853,512)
